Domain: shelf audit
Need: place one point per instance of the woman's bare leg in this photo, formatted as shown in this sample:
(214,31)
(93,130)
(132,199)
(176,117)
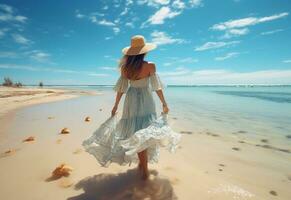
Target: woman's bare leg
(143,163)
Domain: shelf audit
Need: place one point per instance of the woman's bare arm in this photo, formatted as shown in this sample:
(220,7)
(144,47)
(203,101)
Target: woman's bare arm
(117,100)
(163,101)
(160,92)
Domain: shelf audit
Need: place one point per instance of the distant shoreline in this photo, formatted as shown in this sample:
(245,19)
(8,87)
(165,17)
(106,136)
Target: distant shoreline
(12,98)
(195,85)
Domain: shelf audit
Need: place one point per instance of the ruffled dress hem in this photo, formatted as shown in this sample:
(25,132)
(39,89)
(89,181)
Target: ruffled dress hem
(107,148)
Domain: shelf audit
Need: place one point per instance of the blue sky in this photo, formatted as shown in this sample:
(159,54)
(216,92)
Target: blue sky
(199,41)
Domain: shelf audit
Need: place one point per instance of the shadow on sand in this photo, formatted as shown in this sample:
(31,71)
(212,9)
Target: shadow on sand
(127,185)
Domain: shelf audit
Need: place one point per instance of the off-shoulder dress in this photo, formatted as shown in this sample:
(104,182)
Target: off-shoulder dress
(140,128)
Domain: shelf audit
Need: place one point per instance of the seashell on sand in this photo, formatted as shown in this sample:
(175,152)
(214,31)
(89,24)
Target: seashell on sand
(29,139)
(65,131)
(62,170)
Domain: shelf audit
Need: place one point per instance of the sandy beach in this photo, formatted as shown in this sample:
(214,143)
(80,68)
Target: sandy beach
(12,98)
(207,165)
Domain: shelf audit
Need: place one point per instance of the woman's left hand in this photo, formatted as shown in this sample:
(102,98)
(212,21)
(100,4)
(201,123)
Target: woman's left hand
(114,109)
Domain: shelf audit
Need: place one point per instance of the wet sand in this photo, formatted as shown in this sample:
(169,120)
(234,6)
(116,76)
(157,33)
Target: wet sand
(207,165)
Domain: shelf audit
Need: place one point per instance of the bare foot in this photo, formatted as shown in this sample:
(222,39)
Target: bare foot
(145,174)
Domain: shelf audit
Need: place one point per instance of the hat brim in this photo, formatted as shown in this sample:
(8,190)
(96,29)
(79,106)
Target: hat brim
(131,51)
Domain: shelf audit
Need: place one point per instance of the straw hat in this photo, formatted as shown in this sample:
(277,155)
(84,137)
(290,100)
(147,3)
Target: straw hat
(138,46)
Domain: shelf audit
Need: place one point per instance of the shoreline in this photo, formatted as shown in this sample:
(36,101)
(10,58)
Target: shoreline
(12,98)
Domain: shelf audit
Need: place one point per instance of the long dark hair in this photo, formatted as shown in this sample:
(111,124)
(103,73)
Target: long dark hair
(130,66)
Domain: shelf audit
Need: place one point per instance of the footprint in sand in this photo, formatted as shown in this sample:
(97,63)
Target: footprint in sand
(289,177)
(78,151)
(168,168)
(242,132)
(212,134)
(241,141)
(274,193)
(65,183)
(9,152)
(50,117)
(235,148)
(186,132)
(264,140)
(175,181)
(221,165)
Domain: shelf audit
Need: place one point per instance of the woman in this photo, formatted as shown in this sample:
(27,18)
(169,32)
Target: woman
(139,133)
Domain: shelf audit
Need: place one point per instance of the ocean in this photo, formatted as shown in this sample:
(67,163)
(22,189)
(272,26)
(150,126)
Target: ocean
(249,113)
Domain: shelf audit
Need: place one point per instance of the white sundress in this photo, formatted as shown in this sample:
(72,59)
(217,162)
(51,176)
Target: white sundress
(138,129)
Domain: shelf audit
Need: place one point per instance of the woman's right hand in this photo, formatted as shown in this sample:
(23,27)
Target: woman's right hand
(165,109)
(114,109)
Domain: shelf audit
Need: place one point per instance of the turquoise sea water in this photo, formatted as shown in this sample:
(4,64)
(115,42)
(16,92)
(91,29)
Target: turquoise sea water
(256,112)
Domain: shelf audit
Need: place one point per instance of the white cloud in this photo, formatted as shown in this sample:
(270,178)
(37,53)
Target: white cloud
(161,15)
(221,76)
(6,8)
(49,69)
(109,68)
(162,38)
(287,61)
(179,61)
(98,74)
(188,60)
(3,32)
(108,38)
(125,11)
(8,54)
(97,14)
(20,39)
(178,4)
(238,31)
(39,56)
(79,15)
(235,32)
(249,21)
(154,3)
(129,24)
(195,3)
(8,15)
(105,22)
(215,45)
(238,27)
(128,2)
(227,56)
(271,32)
(116,30)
